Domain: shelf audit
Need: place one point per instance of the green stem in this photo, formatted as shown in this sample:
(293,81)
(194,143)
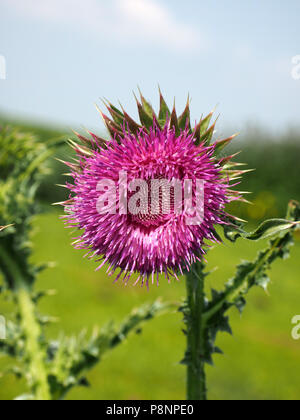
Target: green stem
(32,331)
(196,378)
(35,353)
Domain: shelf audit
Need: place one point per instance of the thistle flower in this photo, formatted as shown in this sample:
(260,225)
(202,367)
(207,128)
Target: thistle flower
(162,148)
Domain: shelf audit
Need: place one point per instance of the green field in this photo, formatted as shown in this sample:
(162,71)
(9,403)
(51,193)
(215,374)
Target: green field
(261,361)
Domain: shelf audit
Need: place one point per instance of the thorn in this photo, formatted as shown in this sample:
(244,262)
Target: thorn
(234,136)
(243,200)
(101,113)
(105,102)
(188,101)
(240,192)
(244,171)
(61,203)
(140,92)
(5,227)
(82,138)
(238,219)
(214,109)
(61,161)
(137,101)
(225,141)
(105,99)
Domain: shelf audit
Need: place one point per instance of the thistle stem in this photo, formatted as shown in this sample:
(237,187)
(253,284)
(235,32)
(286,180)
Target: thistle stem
(35,353)
(196,378)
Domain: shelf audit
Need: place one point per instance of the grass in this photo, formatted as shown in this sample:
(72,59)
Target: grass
(261,361)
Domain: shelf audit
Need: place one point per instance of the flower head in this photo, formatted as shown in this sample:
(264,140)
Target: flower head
(149,198)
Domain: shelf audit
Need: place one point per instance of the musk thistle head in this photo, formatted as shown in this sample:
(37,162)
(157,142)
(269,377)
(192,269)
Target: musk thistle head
(149,197)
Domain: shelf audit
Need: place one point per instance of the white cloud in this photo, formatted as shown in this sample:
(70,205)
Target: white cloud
(129,21)
(154,22)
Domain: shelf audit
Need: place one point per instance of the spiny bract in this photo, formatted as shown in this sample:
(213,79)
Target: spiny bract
(162,146)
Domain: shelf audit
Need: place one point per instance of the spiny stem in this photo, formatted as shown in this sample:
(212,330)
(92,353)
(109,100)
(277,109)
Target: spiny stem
(35,353)
(196,378)
(32,331)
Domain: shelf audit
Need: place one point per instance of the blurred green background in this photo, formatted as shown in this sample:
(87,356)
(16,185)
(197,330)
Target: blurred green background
(261,361)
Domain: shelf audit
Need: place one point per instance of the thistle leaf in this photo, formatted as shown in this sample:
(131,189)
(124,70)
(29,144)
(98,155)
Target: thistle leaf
(80,354)
(249,274)
(267,229)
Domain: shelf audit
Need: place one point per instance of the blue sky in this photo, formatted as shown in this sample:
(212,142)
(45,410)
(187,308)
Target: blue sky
(62,56)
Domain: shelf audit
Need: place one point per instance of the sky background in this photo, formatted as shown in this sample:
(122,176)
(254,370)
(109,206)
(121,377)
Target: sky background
(62,56)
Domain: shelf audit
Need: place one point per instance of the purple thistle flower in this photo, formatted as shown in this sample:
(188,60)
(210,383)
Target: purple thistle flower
(145,242)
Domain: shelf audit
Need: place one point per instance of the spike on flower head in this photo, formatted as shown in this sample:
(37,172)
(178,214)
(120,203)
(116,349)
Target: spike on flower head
(133,175)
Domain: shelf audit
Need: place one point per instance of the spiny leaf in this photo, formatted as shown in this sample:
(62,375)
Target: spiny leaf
(71,358)
(267,229)
(293,212)
(248,274)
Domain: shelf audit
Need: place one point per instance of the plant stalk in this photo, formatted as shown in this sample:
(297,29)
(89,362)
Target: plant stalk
(34,350)
(35,353)
(196,378)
